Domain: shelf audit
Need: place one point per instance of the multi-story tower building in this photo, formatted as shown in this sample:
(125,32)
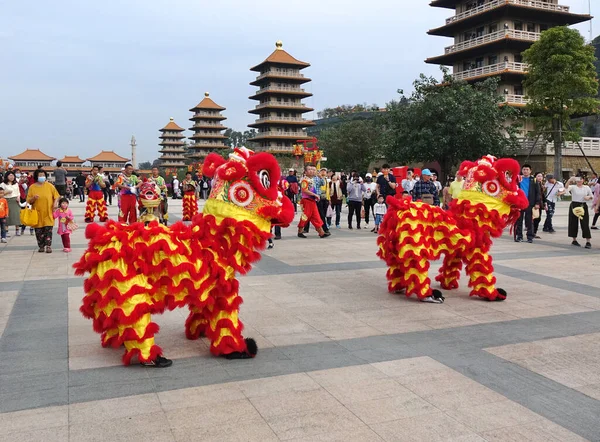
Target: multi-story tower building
(207,128)
(490,35)
(280,122)
(172,145)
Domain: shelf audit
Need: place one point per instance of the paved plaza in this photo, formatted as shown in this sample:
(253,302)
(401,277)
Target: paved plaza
(340,359)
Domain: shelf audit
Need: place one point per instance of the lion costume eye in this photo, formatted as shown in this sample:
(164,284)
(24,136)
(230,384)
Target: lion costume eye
(264,178)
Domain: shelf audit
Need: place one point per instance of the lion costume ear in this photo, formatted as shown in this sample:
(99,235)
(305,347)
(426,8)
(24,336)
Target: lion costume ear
(211,163)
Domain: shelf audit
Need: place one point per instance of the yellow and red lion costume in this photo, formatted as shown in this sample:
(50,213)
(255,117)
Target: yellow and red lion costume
(142,269)
(414,233)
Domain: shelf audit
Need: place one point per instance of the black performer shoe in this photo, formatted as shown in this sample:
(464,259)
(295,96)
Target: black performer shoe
(277,237)
(301,235)
(325,235)
(575,243)
(159,362)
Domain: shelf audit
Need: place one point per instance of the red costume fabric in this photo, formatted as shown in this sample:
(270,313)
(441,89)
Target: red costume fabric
(310,213)
(128,211)
(190,205)
(95,203)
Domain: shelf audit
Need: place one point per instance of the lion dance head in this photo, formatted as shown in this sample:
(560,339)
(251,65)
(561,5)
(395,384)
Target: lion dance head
(493,183)
(246,186)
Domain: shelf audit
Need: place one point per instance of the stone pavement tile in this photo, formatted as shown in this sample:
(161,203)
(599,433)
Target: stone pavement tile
(432,427)
(494,415)
(297,382)
(347,332)
(240,411)
(236,432)
(485,318)
(367,390)
(457,321)
(539,431)
(203,396)
(298,338)
(356,435)
(294,402)
(109,390)
(28,399)
(56,434)
(34,419)
(111,409)
(345,376)
(310,423)
(375,411)
(591,390)
(143,427)
(408,368)
(468,396)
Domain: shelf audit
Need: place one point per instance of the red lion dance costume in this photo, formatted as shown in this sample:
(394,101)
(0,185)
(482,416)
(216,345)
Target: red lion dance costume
(190,203)
(413,233)
(139,270)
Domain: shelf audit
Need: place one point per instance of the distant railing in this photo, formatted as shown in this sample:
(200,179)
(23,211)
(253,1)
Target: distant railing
(497,3)
(281,89)
(273,133)
(492,69)
(280,74)
(294,119)
(590,146)
(279,104)
(515,99)
(494,36)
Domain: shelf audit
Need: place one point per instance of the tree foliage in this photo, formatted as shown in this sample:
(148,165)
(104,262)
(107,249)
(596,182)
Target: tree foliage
(145,165)
(236,139)
(449,123)
(561,81)
(351,144)
(346,109)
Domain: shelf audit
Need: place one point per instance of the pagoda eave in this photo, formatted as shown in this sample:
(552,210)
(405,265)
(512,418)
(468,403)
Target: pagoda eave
(282,93)
(449,4)
(505,10)
(270,77)
(207,146)
(209,136)
(204,109)
(283,123)
(207,127)
(280,137)
(265,64)
(207,117)
(504,43)
(171,137)
(300,109)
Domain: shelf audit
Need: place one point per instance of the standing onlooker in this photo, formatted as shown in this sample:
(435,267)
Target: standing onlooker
(12,195)
(578,210)
(175,184)
(593,181)
(205,185)
(386,182)
(447,194)
(425,189)
(408,183)
(43,198)
(80,181)
(60,179)
(323,204)
(532,191)
(456,186)
(65,217)
(369,197)
(108,183)
(436,183)
(4,212)
(337,198)
(293,189)
(355,188)
(380,210)
(539,178)
(553,190)
(596,191)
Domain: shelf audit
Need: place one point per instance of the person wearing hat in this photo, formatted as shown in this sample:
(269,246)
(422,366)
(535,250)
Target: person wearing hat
(293,189)
(425,190)
(369,198)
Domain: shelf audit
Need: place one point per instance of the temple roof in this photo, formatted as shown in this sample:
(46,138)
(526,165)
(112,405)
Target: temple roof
(108,156)
(171,125)
(280,56)
(73,159)
(207,103)
(33,155)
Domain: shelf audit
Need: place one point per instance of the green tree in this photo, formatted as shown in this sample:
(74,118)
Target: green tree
(352,144)
(145,165)
(449,123)
(346,109)
(236,139)
(561,82)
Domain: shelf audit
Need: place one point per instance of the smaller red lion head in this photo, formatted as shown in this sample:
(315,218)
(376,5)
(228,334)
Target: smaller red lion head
(249,181)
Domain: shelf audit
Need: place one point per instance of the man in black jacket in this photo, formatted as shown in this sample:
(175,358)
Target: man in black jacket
(527,185)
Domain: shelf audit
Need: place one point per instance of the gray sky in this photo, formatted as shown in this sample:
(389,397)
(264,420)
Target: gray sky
(80,76)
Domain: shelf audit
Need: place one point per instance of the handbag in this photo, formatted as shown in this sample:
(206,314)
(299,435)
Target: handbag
(329,213)
(29,217)
(535,213)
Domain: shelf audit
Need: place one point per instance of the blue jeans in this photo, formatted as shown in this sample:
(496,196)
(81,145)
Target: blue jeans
(549,214)
(3,228)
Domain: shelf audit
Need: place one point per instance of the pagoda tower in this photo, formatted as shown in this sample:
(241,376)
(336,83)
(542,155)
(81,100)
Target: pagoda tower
(172,145)
(280,123)
(207,128)
(489,37)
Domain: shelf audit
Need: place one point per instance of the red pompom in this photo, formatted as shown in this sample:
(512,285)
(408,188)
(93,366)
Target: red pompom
(264,174)
(211,163)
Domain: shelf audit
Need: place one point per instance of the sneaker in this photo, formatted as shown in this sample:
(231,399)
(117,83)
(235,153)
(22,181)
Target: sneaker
(301,235)
(518,239)
(3,240)
(594,228)
(31,232)
(337,226)
(552,231)
(277,237)
(432,300)
(271,245)
(546,230)
(159,362)
(42,249)
(349,227)
(575,243)
(18,233)
(326,234)
(538,237)
(358,227)
(66,250)
(530,240)
(48,249)
(588,245)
